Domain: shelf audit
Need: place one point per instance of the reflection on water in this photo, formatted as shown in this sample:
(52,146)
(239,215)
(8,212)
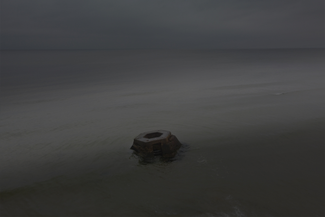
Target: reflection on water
(251,124)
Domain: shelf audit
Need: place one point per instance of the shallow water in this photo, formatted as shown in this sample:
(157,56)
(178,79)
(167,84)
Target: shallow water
(251,123)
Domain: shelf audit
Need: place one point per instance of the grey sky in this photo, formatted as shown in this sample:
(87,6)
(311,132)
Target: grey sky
(166,24)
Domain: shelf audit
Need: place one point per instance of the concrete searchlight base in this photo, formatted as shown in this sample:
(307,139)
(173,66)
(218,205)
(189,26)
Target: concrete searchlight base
(156,143)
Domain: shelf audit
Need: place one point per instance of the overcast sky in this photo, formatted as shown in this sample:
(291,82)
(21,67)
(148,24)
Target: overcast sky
(161,24)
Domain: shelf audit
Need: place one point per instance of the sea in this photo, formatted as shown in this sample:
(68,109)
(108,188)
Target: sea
(251,123)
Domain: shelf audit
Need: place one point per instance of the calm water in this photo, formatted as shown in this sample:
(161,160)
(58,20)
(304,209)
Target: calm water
(251,123)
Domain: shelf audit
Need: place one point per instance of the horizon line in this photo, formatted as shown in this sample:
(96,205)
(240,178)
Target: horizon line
(166,49)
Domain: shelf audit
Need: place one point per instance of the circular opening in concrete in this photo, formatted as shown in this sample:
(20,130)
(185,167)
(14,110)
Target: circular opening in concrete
(152,135)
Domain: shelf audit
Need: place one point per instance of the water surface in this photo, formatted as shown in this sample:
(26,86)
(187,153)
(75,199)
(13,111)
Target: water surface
(251,123)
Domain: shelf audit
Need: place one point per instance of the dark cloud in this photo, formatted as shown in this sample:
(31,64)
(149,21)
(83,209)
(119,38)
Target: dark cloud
(146,24)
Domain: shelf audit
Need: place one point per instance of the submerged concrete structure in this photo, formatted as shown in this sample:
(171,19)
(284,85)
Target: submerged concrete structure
(156,143)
